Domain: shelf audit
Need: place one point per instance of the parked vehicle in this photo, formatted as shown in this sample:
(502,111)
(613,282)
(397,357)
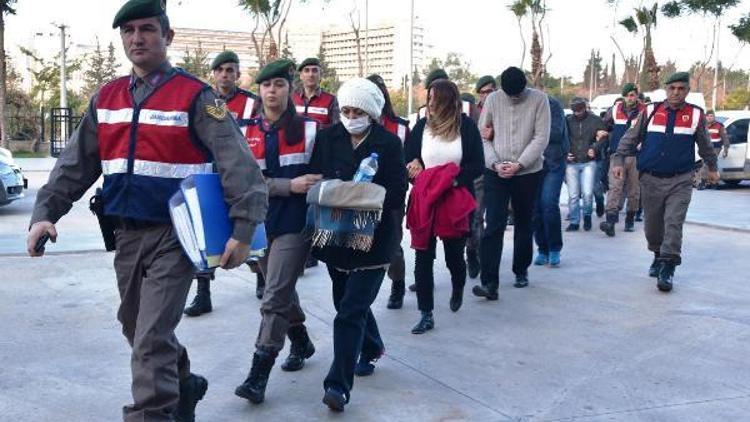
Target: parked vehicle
(736,167)
(12,182)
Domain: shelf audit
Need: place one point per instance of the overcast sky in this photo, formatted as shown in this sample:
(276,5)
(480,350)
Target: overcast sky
(484,31)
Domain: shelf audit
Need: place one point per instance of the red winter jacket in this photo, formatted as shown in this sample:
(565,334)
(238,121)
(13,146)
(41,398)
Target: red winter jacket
(437,208)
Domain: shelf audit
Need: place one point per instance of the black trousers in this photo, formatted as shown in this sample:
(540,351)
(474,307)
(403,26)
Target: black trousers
(354,328)
(423,274)
(521,192)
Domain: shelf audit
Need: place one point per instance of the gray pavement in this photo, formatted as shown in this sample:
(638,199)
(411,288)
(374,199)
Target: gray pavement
(592,340)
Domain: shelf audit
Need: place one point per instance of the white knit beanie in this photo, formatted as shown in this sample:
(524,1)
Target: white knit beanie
(362,94)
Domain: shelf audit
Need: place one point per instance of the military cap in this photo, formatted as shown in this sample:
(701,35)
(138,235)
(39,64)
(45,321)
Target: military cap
(628,87)
(433,76)
(310,61)
(468,97)
(282,68)
(678,77)
(227,56)
(577,101)
(139,9)
(484,80)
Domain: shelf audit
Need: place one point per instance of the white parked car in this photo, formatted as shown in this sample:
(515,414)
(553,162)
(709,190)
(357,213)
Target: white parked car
(12,182)
(736,167)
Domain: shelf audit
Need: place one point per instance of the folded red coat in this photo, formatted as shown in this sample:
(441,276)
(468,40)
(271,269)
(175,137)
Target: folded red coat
(437,207)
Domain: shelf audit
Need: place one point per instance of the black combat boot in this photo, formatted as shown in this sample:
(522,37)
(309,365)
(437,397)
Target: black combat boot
(426,323)
(396,299)
(472,263)
(202,302)
(413,287)
(254,387)
(629,222)
(457,299)
(260,285)
(653,270)
(192,390)
(587,223)
(488,292)
(608,226)
(301,348)
(666,273)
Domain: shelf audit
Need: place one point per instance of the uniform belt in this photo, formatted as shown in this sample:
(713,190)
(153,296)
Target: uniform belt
(664,175)
(125,223)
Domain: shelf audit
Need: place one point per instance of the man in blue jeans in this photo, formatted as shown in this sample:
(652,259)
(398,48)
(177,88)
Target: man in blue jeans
(580,174)
(547,222)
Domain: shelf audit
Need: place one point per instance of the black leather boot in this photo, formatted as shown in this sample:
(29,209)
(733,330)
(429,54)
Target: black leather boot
(629,222)
(396,299)
(426,323)
(653,270)
(254,387)
(202,302)
(666,274)
(472,263)
(639,215)
(608,226)
(457,299)
(488,292)
(301,348)
(192,390)
(260,285)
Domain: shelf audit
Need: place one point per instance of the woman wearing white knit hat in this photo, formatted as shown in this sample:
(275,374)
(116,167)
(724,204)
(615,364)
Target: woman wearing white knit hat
(357,272)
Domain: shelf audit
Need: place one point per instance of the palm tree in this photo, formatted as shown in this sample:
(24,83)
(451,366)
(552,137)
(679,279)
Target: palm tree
(645,21)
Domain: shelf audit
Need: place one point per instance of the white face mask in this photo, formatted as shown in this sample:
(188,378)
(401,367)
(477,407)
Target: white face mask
(356,126)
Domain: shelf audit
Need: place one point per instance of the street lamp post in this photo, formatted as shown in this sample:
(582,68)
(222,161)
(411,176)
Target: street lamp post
(63,88)
(411,58)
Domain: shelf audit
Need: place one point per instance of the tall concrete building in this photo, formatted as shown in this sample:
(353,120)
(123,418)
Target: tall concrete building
(384,49)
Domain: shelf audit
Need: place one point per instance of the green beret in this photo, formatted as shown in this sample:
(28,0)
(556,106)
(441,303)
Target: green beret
(485,80)
(139,9)
(282,68)
(434,75)
(227,56)
(628,87)
(678,77)
(468,97)
(308,62)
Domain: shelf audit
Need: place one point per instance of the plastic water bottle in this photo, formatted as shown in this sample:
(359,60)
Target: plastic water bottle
(367,169)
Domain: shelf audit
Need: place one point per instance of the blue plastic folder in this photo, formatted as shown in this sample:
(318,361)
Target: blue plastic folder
(201,220)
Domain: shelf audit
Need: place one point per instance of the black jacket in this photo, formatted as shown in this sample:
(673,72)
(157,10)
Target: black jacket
(583,135)
(334,157)
(472,152)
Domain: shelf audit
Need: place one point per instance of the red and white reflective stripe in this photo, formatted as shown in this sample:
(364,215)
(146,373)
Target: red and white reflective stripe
(713,131)
(678,130)
(310,131)
(652,127)
(249,105)
(154,168)
(146,116)
(312,110)
(402,132)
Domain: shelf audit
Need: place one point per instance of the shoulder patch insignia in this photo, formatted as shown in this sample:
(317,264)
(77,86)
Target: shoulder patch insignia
(218,112)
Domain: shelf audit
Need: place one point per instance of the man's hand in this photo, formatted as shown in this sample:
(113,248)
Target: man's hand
(235,253)
(303,183)
(714,177)
(571,157)
(508,170)
(601,134)
(725,153)
(487,132)
(36,231)
(591,153)
(617,171)
(414,168)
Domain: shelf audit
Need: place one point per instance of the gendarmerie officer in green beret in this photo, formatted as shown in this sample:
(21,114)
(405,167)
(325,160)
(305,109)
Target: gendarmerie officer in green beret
(667,133)
(144,133)
(242,105)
